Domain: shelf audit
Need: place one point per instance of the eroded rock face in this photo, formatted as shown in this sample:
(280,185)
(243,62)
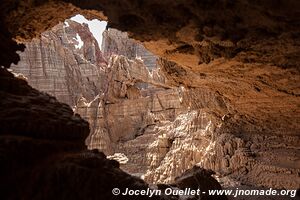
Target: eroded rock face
(65,62)
(163,132)
(49,162)
(200,138)
(121,117)
(116,42)
(120,99)
(246,53)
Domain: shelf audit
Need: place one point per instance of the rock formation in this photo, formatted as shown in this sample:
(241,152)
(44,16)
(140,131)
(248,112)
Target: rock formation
(242,54)
(163,131)
(49,157)
(121,100)
(127,108)
(65,62)
(164,145)
(116,42)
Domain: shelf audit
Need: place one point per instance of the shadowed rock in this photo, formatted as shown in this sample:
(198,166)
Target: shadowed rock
(199,178)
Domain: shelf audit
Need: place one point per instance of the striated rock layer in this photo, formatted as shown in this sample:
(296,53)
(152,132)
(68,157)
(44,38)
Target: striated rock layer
(245,53)
(162,132)
(124,110)
(47,160)
(120,100)
(65,62)
(116,42)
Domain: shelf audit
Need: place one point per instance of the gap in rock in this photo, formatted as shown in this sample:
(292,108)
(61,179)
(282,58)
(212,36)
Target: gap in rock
(138,116)
(237,115)
(154,128)
(96,27)
(114,83)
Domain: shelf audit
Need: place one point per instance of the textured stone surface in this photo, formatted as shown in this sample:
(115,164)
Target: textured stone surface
(65,62)
(164,132)
(246,52)
(116,42)
(53,120)
(199,138)
(48,162)
(123,109)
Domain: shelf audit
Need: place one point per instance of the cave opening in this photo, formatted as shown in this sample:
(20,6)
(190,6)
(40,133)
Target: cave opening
(116,84)
(210,102)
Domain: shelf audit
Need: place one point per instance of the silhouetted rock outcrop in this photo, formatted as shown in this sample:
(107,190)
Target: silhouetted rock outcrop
(199,178)
(34,126)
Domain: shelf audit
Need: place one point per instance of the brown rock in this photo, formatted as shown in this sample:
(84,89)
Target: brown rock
(199,178)
(243,52)
(65,62)
(116,42)
(45,162)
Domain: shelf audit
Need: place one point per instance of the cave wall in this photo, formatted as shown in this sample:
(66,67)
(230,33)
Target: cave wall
(243,50)
(116,93)
(246,52)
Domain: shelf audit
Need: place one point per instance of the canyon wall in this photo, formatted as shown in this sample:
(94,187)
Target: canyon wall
(119,97)
(164,123)
(116,42)
(229,89)
(50,160)
(121,117)
(65,62)
(208,129)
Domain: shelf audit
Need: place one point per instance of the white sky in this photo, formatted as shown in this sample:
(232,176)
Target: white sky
(96,26)
(80,42)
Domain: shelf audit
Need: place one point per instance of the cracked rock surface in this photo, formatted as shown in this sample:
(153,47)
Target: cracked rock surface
(238,60)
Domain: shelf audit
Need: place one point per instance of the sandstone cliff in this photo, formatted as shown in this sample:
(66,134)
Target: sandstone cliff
(116,42)
(120,99)
(162,132)
(49,156)
(200,127)
(65,62)
(125,110)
